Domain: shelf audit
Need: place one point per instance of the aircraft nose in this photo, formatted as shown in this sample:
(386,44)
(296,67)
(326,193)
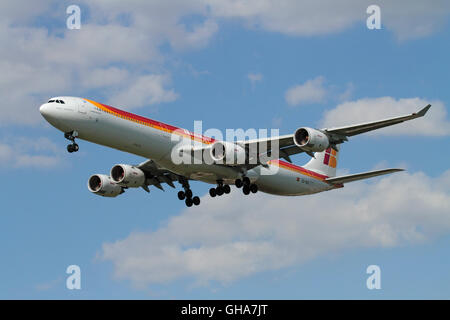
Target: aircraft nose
(48,112)
(44,109)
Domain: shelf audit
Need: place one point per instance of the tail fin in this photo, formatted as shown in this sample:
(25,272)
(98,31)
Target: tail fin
(324,162)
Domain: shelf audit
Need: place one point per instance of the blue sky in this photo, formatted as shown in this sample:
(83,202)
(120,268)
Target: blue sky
(177,62)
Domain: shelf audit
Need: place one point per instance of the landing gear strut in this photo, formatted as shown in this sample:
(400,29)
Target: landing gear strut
(246,185)
(73,147)
(220,189)
(186,195)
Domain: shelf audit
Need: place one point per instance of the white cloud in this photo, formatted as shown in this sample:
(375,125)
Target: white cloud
(298,18)
(39,63)
(162,20)
(408,19)
(101,77)
(22,10)
(434,123)
(234,236)
(21,152)
(414,19)
(312,91)
(145,90)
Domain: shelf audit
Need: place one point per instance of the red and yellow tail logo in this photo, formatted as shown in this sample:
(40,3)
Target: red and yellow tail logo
(330,158)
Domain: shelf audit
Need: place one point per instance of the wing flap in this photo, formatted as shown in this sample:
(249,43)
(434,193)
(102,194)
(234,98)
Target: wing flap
(157,175)
(360,176)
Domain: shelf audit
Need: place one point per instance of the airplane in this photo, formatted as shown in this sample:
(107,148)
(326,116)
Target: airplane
(80,118)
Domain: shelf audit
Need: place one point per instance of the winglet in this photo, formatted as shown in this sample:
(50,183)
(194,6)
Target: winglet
(422,112)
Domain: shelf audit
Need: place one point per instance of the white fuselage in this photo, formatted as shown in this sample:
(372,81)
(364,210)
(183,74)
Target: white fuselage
(114,128)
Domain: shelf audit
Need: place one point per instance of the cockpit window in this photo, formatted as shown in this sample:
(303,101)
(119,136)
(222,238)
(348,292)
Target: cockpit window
(56,101)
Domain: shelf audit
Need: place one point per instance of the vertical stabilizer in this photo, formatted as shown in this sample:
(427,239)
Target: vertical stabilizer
(324,162)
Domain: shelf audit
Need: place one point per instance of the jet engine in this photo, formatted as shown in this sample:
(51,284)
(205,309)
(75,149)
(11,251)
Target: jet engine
(311,140)
(128,176)
(103,185)
(228,153)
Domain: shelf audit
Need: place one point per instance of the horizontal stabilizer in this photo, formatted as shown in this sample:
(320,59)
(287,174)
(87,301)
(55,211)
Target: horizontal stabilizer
(360,176)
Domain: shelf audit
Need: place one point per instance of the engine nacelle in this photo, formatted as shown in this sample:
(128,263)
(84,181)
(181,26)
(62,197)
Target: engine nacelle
(103,185)
(311,139)
(228,152)
(128,176)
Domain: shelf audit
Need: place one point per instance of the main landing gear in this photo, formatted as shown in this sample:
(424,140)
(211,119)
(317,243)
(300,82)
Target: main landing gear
(186,195)
(73,147)
(246,185)
(220,189)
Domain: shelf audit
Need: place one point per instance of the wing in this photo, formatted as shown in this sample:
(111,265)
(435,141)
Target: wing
(353,130)
(360,176)
(156,175)
(287,147)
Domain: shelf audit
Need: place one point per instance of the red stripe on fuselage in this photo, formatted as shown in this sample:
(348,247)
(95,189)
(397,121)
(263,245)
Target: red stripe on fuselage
(299,169)
(157,124)
(140,118)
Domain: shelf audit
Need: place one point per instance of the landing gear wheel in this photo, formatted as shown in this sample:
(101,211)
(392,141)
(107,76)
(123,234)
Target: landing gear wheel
(188,193)
(212,192)
(219,190)
(246,181)
(246,190)
(72,136)
(253,188)
(238,183)
(196,200)
(72,148)
(226,189)
(189,202)
(181,195)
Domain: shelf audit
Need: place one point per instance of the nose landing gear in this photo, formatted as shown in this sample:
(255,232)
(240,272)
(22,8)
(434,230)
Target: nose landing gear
(73,147)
